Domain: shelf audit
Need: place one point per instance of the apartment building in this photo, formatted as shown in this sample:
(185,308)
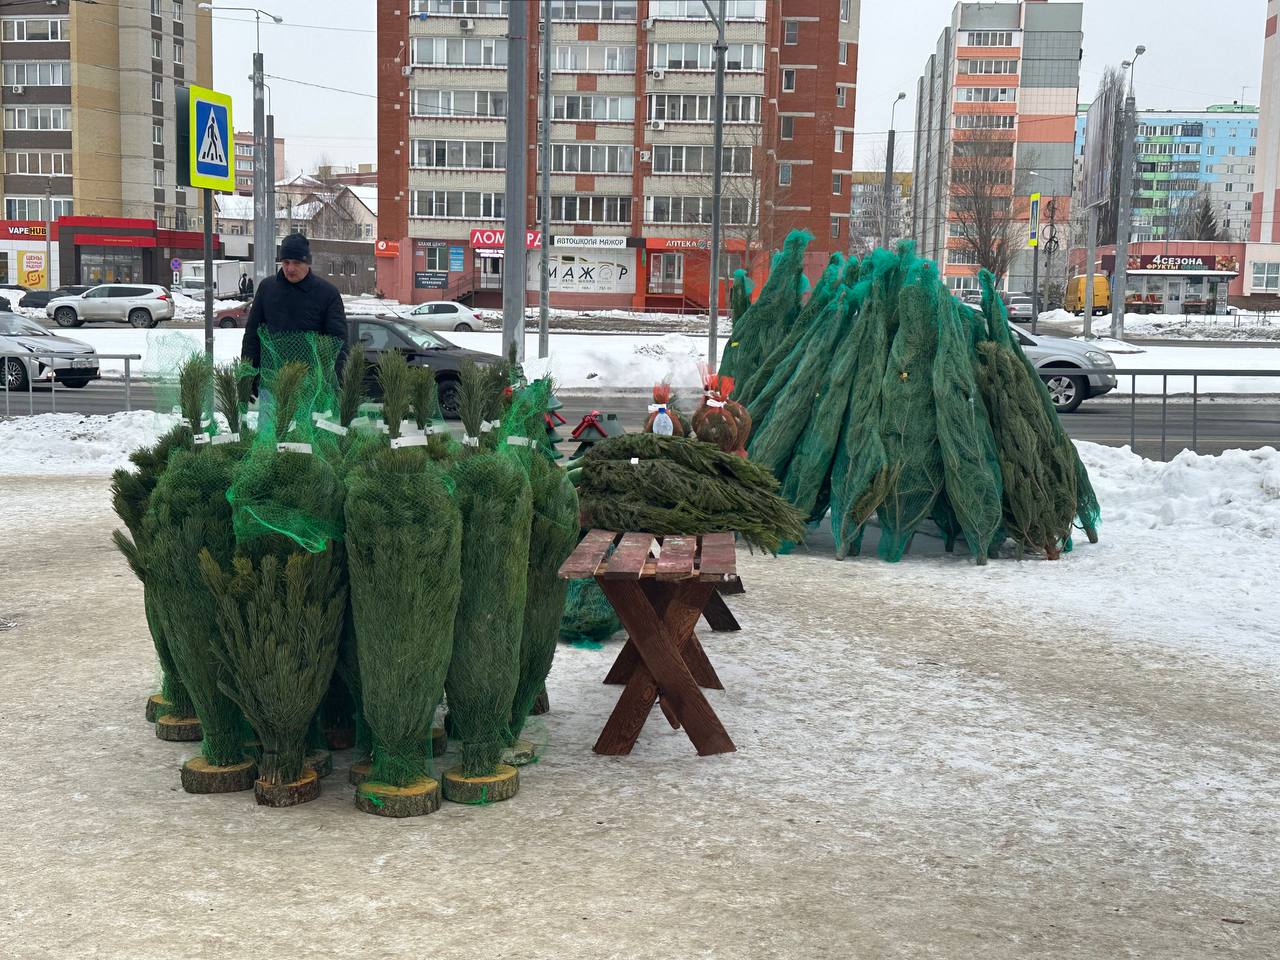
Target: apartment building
(631,144)
(244,161)
(866,224)
(1178,153)
(995,121)
(88,120)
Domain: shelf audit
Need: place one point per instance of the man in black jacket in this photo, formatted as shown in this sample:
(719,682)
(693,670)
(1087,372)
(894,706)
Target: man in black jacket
(294,300)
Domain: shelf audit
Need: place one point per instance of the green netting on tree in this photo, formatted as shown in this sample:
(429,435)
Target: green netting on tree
(589,619)
(767,319)
(404,536)
(739,295)
(908,420)
(131,492)
(277,643)
(493,494)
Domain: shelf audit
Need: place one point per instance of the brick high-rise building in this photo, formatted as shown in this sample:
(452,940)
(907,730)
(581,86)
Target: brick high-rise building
(244,161)
(1265,227)
(996,102)
(631,132)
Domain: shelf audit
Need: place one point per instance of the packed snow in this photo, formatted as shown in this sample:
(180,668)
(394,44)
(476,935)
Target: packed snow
(73,443)
(1240,326)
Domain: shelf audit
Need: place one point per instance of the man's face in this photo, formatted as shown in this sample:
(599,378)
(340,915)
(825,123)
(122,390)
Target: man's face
(295,271)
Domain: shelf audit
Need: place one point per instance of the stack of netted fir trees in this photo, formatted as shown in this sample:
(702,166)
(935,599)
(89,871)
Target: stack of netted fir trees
(880,396)
(328,574)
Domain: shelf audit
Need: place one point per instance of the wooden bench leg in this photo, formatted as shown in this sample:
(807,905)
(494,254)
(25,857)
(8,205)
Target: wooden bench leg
(690,647)
(719,617)
(663,669)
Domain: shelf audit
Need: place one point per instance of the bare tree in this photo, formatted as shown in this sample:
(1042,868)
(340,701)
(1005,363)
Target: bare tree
(749,190)
(1196,218)
(981,200)
(866,222)
(1109,212)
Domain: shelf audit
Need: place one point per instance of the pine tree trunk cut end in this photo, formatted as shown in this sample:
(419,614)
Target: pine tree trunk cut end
(520,753)
(359,772)
(157,707)
(502,784)
(178,729)
(321,761)
(383,800)
(201,776)
(303,790)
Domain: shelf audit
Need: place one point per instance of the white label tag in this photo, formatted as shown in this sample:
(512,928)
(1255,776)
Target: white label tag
(418,441)
(518,441)
(293,448)
(331,427)
(470,441)
(201,438)
(486,426)
(714,403)
(222,438)
(634,461)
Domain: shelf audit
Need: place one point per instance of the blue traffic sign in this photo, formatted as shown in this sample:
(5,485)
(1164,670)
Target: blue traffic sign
(211,140)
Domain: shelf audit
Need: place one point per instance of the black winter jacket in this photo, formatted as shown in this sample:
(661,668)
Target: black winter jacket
(312,306)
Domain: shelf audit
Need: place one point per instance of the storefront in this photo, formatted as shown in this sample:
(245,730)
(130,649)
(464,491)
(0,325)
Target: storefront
(122,250)
(1177,283)
(23,255)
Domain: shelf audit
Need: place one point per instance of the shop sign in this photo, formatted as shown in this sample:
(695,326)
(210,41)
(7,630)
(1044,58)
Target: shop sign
(485,239)
(430,280)
(587,271)
(589,242)
(1184,263)
(677,243)
(33,269)
(386,248)
(457,260)
(25,230)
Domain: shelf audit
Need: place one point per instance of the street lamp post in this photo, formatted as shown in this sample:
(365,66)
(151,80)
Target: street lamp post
(1120,277)
(264,254)
(886,199)
(717,183)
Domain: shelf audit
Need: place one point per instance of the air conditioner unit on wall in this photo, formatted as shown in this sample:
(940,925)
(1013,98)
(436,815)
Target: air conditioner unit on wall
(647,23)
(658,73)
(659,124)
(466,25)
(646,156)
(17,89)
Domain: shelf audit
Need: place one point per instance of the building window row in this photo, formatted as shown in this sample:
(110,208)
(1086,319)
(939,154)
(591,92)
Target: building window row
(461,8)
(985,121)
(594,58)
(455,204)
(590,158)
(1167,149)
(37,118)
(244,150)
(457,103)
(459,154)
(695,210)
(984,148)
(597,107)
(34,208)
(44,163)
(615,10)
(580,209)
(682,158)
(37,73)
(988,94)
(696,10)
(983,67)
(694,108)
(1266,276)
(739,57)
(459,52)
(990,38)
(1171,130)
(980,175)
(34,30)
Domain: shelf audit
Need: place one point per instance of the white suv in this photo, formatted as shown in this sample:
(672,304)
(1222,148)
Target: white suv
(140,305)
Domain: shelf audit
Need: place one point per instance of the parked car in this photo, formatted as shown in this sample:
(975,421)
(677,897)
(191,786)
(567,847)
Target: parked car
(441,315)
(421,348)
(38,299)
(1101,295)
(138,304)
(1020,307)
(236,316)
(75,365)
(1055,357)
(13,291)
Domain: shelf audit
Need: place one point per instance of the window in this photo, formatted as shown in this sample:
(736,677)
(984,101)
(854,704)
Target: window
(177,51)
(157,48)
(33,208)
(678,158)
(457,103)
(590,158)
(437,258)
(1230,186)
(837,184)
(157,132)
(594,58)
(840,95)
(839,141)
(177,10)
(157,177)
(598,108)
(37,73)
(784,174)
(990,38)
(694,10)
(1266,276)
(37,162)
(37,118)
(693,108)
(844,52)
(739,57)
(461,8)
(459,154)
(987,66)
(459,52)
(986,121)
(588,209)
(157,90)
(614,10)
(787,128)
(835,228)
(988,94)
(19,30)
(455,205)
(696,210)
(666,272)
(844,11)
(789,81)
(155,8)
(791,32)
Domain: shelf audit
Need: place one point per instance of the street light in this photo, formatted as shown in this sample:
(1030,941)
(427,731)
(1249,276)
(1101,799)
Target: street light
(888,175)
(1120,277)
(263,216)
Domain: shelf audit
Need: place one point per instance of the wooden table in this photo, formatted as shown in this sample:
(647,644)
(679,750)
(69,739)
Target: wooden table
(659,587)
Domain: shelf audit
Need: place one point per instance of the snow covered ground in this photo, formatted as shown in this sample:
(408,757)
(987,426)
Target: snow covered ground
(1242,326)
(1127,356)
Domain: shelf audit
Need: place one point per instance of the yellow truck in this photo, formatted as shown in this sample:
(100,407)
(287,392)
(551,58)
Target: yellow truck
(1101,295)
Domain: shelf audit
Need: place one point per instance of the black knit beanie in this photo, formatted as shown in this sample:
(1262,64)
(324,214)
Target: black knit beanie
(295,247)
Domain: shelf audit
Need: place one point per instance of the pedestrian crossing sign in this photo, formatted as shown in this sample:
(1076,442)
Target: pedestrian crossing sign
(210,154)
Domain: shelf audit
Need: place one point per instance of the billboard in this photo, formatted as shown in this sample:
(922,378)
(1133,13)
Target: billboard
(1099,136)
(587,271)
(31,269)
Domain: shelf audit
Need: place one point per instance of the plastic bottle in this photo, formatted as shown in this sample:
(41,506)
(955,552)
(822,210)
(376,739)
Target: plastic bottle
(662,424)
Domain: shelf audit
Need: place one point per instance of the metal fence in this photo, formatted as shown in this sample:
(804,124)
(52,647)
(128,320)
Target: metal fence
(128,359)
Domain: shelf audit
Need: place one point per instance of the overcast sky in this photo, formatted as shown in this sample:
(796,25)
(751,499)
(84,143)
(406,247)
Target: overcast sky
(1198,52)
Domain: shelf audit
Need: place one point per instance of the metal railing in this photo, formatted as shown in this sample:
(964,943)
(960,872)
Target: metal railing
(128,358)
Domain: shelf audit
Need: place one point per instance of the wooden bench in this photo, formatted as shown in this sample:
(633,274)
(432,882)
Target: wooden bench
(659,587)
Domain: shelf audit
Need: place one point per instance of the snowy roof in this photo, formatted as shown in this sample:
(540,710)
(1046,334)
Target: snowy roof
(232,207)
(300,211)
(302,181)
(368,196)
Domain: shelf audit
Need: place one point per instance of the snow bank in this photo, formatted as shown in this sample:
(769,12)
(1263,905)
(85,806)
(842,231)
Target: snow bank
(1243,325)
(1196,358)
(72,443)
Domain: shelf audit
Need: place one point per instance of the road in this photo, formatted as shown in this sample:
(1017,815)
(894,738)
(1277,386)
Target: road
(1220,424)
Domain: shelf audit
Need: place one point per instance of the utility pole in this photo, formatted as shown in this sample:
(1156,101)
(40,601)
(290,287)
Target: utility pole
(717,184)
(48,233)
(271,186)
(514,279)
(1090,253)
(887,198)
(544,287)
(1129,133)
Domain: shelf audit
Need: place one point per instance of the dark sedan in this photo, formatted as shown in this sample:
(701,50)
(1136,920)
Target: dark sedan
(39,299)
(422,348)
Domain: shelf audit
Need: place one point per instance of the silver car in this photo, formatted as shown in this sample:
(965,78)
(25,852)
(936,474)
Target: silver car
(1056,357)
(141,305)
(442,315)
(72,362)
(1020,307)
